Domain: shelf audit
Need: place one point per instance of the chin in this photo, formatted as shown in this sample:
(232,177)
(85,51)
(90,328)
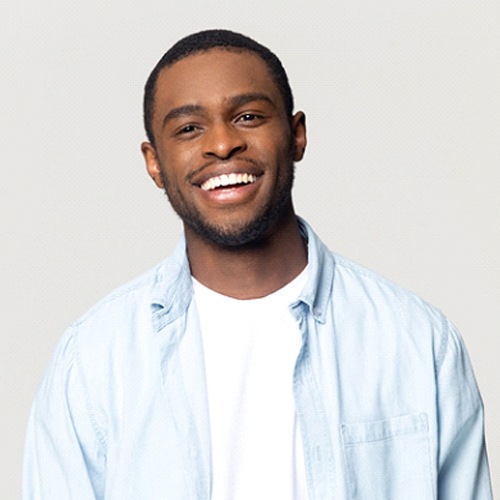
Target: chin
(243,235)
(233,238)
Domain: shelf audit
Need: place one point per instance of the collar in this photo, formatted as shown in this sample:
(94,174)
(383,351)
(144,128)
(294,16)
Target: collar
(317,291)
(173,289)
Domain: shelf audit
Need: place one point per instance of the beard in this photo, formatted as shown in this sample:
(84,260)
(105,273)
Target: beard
(252,232)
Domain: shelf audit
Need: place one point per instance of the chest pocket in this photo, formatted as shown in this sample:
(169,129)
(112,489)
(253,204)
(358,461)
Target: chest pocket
(389,459)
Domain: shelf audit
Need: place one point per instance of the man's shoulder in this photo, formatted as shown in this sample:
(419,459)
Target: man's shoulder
(132,297)
(360,292)
(364,287)
(361,274)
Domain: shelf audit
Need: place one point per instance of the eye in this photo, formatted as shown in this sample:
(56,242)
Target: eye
(250,119)
(187,129)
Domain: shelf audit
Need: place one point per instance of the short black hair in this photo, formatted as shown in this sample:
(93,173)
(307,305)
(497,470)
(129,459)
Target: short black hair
(206,40)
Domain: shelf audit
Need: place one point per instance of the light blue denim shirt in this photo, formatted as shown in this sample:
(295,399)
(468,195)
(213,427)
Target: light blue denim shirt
(385,395)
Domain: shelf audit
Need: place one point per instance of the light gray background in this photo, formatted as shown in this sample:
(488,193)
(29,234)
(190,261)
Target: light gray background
(401,173)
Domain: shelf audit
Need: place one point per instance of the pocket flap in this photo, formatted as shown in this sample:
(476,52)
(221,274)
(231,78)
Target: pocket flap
(383,429)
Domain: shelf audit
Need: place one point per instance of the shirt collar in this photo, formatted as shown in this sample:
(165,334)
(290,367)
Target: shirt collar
(173,287)
(316,293)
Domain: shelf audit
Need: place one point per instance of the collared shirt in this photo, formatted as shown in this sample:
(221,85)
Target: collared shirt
(384,393)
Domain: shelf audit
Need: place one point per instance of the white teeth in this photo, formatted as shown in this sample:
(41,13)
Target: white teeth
(228,180)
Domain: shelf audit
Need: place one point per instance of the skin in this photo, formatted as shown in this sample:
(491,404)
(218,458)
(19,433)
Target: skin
(220,112)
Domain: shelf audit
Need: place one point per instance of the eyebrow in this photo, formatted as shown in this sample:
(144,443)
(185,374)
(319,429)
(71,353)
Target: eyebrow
(241,100)
(236,101)
(188,109)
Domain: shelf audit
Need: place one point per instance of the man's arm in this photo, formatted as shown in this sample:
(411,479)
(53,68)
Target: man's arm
(463,464)
(64,455)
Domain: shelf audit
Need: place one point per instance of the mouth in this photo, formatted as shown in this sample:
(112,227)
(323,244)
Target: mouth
(228,181)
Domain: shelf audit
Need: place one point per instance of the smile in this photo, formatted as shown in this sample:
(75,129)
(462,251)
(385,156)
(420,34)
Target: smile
(227,180)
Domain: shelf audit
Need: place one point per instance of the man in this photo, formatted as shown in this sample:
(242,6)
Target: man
(252,363)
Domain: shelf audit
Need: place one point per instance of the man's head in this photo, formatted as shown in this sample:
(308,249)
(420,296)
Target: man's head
(225,142)
(204,41)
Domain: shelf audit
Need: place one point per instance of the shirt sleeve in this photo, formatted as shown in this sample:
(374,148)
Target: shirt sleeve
(64,451)
(463,465)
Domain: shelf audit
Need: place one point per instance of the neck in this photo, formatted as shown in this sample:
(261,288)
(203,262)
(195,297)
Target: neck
(253,271)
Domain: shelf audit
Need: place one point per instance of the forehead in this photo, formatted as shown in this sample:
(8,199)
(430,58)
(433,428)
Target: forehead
(214,75)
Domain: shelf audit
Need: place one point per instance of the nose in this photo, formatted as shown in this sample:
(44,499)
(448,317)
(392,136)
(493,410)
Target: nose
(223,141)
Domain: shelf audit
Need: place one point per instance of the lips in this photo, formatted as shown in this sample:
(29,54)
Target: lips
(226,175)
(228,183)
(228,180)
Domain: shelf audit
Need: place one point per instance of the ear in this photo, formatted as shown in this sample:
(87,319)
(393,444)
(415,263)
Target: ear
(152,164)
(299,136)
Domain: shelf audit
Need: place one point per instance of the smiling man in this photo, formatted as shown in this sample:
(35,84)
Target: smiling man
(253,363)
(225,158)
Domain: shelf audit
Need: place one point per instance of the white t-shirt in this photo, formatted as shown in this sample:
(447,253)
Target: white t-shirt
(250,349)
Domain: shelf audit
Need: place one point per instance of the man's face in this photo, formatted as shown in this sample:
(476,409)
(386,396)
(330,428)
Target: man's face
(224,147)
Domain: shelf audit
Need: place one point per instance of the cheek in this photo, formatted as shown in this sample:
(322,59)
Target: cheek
(180,162)
(272,149)
(172,167)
